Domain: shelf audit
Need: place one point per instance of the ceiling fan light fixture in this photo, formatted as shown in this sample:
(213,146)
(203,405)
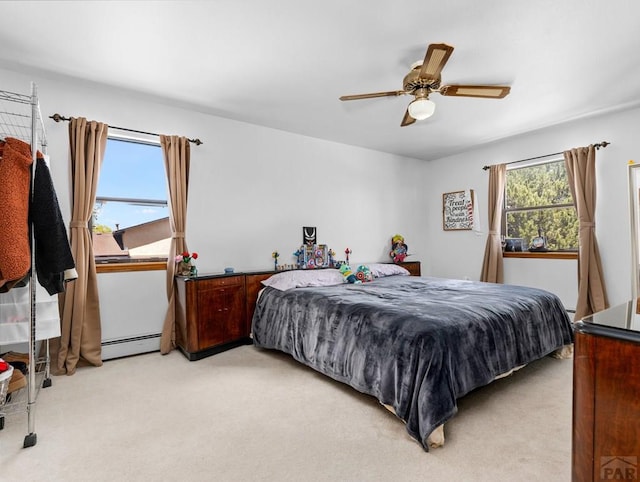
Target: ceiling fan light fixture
(421,108)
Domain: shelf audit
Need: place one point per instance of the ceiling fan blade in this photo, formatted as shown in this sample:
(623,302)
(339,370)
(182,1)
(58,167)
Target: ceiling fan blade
(374,94)
(407,119)
(437,55)
(486,91)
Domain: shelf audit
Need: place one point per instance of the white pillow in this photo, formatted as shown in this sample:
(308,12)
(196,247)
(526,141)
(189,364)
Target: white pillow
(301,278)
(379,270)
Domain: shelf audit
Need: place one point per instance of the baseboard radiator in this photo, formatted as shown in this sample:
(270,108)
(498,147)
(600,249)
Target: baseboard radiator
(136,345)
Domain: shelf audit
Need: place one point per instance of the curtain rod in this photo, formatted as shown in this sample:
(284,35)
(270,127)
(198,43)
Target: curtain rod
(58,118)
(597,146)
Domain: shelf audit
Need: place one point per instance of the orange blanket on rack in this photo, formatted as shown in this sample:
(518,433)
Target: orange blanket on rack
(15,180)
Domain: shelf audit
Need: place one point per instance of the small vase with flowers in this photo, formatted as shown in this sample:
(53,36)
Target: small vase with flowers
(185,266)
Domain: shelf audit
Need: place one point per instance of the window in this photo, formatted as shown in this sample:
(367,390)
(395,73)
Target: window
(130,220)
(538,200)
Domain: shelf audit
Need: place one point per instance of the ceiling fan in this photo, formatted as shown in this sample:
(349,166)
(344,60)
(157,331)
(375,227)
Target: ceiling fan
(424,79)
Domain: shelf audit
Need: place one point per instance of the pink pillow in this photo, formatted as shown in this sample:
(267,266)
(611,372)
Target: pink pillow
(301,278)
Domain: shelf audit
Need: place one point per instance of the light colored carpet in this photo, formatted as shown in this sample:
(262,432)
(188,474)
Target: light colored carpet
(253,415)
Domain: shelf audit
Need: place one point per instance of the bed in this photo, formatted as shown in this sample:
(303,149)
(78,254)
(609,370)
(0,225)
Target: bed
(417,344)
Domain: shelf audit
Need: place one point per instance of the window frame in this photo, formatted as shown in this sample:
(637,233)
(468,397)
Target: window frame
(151,263)
(557,254)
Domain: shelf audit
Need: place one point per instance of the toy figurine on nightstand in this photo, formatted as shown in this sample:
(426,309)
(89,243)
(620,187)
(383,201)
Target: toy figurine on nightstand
(332,256)
(398,251)
(275,255)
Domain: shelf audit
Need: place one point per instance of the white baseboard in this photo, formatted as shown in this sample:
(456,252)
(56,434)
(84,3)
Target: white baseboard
(130,346)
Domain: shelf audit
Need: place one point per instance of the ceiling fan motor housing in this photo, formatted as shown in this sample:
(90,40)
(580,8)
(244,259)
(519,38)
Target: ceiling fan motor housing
(412,81)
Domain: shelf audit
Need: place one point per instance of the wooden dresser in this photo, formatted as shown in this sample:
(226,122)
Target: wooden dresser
(606,395)
(214,312)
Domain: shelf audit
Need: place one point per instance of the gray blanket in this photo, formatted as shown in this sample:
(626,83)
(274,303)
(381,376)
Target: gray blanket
(417,344)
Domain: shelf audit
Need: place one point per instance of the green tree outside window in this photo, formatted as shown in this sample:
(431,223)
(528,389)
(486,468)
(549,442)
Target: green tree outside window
(538,199)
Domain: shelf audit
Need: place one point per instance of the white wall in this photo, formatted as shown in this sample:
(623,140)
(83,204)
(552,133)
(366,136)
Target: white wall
(459,254)
(251,190)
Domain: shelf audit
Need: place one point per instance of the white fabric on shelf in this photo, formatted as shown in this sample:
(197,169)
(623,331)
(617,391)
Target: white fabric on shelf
(15,315)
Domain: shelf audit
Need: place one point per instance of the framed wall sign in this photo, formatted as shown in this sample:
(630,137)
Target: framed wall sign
(457,210)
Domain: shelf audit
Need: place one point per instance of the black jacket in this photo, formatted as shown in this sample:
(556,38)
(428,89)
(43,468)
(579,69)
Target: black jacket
(53,254)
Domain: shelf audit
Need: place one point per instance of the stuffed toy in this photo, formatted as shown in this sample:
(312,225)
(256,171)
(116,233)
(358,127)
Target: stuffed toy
(349,276)
(363,273)
(398,249)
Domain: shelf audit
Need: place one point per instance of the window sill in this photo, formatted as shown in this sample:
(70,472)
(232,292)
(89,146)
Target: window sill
(131,266)
(545,255)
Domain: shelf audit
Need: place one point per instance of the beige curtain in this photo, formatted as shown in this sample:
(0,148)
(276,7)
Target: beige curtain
(176,160)
(581,173)
(81,336)
(492,270)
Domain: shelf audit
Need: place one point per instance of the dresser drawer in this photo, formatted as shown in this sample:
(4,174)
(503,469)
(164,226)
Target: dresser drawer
(222,282)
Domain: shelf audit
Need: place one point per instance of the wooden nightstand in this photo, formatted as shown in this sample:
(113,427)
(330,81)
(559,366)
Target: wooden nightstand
(211,314)
(412,267)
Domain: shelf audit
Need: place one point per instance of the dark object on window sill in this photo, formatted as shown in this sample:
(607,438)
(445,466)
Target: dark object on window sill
(539,243)
(514,244)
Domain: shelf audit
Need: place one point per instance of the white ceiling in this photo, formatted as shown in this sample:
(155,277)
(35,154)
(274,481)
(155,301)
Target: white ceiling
(284,63)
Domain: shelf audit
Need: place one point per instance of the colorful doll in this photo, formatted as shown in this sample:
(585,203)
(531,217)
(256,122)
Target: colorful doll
(398,249)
